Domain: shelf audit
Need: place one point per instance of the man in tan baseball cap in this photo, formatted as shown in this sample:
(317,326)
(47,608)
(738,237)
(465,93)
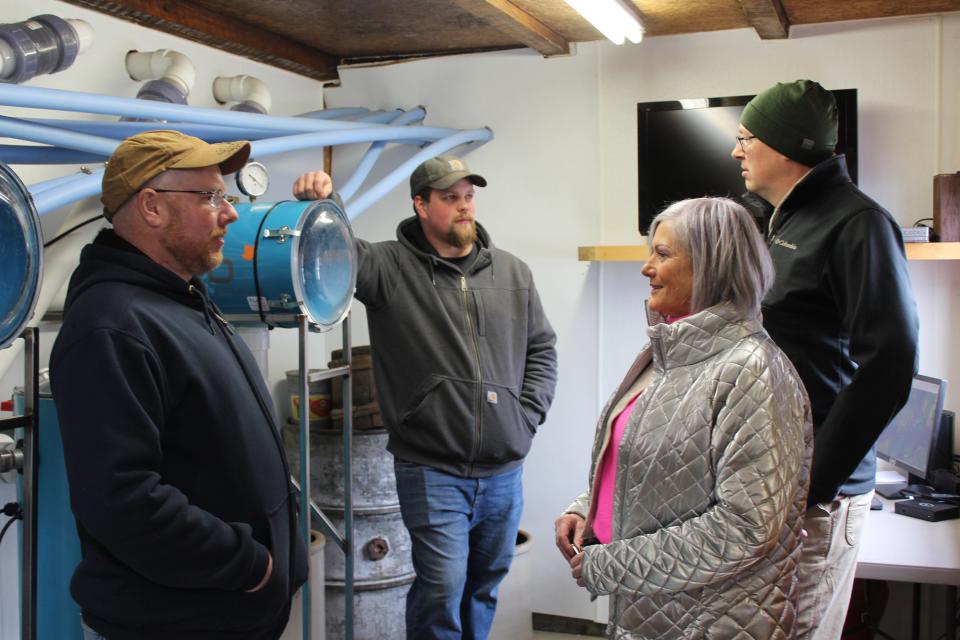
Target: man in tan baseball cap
(180,493)
(140,158)
(164,193)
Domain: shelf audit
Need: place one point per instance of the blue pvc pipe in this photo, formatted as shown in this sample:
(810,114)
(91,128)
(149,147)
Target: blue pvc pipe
(23,130)
(323,139)
(340,112)
(126,128)
(373,154)
(401,173)
(383,117)
(39,187)
(40,98)
(80,187)
(32,154)
(324,132)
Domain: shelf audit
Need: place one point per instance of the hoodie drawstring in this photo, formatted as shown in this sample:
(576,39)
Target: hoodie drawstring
(209,313)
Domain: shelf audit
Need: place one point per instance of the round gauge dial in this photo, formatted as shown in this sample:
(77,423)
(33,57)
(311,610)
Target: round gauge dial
(253,179)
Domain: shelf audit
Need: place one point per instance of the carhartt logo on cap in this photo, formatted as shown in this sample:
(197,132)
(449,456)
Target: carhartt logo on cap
(456,165)
(806,143)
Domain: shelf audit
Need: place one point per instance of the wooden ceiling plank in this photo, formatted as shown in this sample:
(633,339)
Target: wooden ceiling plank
(194,22)
(768,17)
(508,18)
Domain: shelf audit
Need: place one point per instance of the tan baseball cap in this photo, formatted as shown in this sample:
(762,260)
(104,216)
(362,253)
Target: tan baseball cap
(145,155)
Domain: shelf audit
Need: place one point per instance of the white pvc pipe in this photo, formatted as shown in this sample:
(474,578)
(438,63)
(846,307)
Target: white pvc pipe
(242,88)
(84,33)
(8,59)
(171,66)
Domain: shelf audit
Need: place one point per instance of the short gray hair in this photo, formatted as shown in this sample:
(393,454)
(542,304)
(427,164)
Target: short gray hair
(727,252)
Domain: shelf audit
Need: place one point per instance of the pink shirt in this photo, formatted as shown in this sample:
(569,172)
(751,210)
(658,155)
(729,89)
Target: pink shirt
(603,517)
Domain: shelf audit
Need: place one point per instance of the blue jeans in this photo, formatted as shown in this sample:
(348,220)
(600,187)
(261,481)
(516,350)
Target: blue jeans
(463,532)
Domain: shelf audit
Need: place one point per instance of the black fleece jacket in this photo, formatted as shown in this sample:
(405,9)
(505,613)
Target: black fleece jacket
(178,480)
(842,309)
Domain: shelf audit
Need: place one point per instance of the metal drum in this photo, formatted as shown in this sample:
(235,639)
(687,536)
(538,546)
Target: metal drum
(21,256)
(383,568)
(284,259)
(374,484)
(379,609)
(381,546)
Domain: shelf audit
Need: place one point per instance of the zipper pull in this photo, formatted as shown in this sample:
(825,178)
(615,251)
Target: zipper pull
(463,284)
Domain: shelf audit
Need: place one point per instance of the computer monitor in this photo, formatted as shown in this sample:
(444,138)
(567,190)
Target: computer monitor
(915,440)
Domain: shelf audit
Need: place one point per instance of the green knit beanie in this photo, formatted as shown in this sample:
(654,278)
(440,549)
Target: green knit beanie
(798,119)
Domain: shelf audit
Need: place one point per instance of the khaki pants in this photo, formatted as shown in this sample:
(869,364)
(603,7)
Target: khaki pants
(828,565)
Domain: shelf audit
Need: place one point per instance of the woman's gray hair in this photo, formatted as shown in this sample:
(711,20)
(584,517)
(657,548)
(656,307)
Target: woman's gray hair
(729,257)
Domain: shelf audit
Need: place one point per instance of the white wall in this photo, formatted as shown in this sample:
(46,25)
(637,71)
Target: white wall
(101,70)
(562,173)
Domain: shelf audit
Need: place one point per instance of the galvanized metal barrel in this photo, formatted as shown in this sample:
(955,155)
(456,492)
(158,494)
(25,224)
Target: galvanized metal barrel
(383,568)
(379,609)
(381,546)
(374,484)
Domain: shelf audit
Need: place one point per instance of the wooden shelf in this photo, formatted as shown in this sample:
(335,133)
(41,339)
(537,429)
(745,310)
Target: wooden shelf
(612,253)
(639,253)
(933,250)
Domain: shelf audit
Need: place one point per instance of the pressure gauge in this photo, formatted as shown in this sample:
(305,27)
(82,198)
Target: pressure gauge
(253,179)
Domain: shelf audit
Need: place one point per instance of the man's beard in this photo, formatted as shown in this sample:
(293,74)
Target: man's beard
(460,235)
(192,254)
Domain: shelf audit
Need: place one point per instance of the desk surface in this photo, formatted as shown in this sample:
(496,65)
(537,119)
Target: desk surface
(905,549)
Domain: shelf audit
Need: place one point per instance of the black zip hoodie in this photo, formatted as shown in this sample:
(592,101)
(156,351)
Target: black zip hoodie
(178,479)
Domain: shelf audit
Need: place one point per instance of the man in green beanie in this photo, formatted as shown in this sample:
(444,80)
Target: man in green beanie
(842,309)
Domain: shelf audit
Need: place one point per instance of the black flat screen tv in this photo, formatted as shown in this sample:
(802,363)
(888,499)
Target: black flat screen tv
(684,148)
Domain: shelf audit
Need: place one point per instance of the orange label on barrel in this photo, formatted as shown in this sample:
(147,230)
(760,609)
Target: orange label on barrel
(319,406)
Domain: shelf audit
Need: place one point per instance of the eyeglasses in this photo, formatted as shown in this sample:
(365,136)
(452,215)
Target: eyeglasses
(742,139)
(214,198)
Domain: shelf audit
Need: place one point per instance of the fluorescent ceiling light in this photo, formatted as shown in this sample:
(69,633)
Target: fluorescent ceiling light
(611,18)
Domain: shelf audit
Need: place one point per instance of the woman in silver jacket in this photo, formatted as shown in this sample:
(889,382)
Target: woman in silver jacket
(701,458)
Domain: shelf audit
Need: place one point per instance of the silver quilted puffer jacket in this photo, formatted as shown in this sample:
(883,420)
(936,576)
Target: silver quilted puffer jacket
(711,486)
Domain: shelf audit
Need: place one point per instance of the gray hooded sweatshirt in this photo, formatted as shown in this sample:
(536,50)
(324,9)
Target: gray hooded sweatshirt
(464,359)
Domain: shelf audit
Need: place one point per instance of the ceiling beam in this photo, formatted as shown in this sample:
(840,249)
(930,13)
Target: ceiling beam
(511,20)
(194,22)
(768,17)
